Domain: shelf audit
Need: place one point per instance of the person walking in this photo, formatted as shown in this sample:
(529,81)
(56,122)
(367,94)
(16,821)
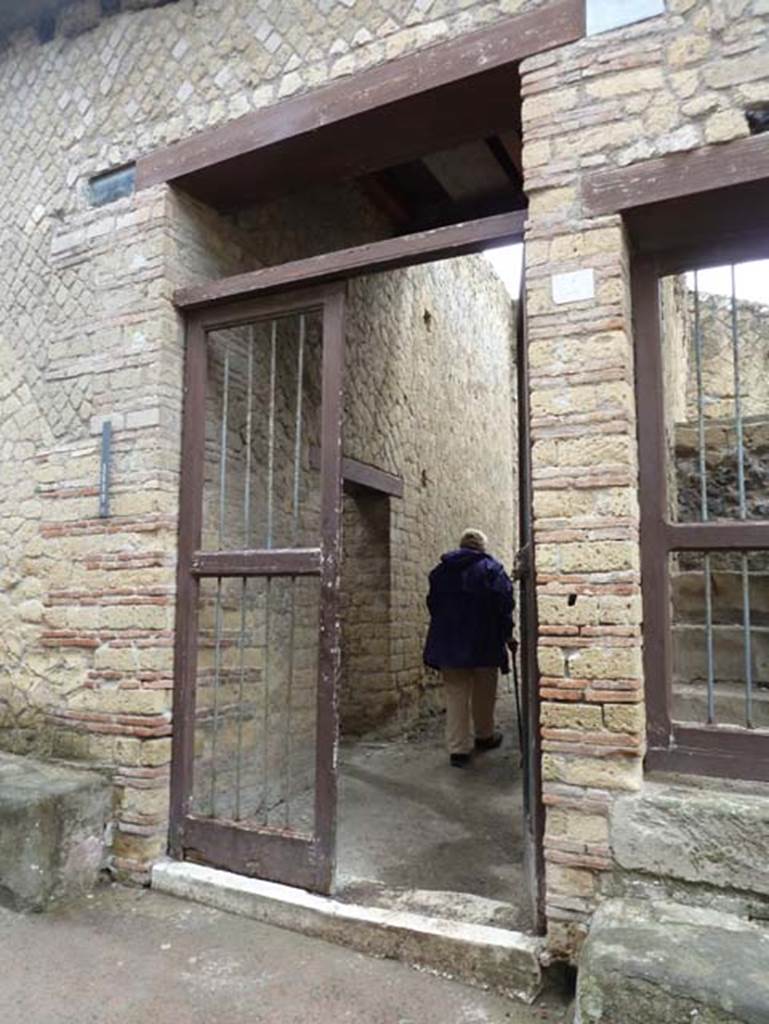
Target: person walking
(470,601)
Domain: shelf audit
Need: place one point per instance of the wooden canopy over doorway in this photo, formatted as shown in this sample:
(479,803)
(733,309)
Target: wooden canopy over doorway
(433,136)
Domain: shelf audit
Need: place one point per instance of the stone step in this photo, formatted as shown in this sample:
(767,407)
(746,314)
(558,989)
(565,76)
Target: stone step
(668,963)
(447,904)
(508,962)
(690,704)
(705,833)
(52,831)
(690,653)
(688,596)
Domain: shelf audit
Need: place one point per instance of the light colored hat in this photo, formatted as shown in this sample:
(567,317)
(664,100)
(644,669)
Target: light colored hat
(474,539)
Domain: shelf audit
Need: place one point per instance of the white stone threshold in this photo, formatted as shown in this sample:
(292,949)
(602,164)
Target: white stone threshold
(504,961)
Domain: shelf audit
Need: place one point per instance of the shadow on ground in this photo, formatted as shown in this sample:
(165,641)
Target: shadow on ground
(416,831)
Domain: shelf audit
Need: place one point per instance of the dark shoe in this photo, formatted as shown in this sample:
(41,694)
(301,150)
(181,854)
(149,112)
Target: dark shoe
(491,742)
(459,760)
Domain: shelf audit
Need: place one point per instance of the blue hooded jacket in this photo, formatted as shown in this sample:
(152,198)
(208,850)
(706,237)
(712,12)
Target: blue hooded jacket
(471,612)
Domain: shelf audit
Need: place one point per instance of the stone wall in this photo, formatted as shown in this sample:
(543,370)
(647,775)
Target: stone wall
(668,84)
(90,333)
(430,397)
(88,330)
(752,325)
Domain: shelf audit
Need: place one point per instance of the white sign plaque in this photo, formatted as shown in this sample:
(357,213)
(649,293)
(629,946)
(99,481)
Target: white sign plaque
(574,287)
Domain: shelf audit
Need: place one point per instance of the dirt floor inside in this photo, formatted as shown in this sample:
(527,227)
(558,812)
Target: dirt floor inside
(128,956)
(417,833)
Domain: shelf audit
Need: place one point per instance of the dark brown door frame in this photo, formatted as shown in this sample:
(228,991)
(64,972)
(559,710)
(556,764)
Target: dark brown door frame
(690,210)
(534,808)
(349,109)
(701,749)
(409,250)
(270,853)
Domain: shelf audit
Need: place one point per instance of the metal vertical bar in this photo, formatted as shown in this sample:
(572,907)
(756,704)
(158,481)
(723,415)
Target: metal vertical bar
(244,581)
(271,434)
(738,401)
(268,583)
(743,510)
(223,447)
(287,752)
(242,673)
(704,503)
(266,707)
(298,431)
(104,470)
(218,617)
(249,441)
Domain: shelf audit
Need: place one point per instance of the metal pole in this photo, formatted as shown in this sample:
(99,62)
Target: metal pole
(222,510)
(704,503)
(743,511)
(244,581)
(287,752)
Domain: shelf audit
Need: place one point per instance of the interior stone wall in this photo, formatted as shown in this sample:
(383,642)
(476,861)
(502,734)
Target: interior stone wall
(430,397)
(368,698)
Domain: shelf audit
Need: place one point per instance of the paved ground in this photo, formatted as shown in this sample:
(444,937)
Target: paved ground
(128,956)
(409,821)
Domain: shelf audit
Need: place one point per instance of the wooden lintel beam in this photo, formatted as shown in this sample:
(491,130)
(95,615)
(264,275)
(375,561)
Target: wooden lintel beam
(675,176)
(361,475)
(504,43)
(388,254)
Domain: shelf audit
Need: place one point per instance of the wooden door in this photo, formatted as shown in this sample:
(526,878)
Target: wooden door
(257,652)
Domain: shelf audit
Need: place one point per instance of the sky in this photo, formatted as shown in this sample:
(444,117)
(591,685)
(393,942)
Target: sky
(752,279)
(506,260)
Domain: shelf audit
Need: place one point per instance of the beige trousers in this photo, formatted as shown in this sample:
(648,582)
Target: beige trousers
(471,694)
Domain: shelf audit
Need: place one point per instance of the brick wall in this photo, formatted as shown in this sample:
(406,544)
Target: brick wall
(88,331)
(668,84)
(86,611)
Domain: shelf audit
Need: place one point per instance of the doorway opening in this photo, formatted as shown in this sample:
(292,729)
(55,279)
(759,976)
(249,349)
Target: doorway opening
(361,410)
(430,399)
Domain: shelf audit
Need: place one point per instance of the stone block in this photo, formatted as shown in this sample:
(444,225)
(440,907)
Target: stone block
(606,663)
(52,827)
(500,959)
(667,963)
(709,835)
(602,773)
(571,716)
